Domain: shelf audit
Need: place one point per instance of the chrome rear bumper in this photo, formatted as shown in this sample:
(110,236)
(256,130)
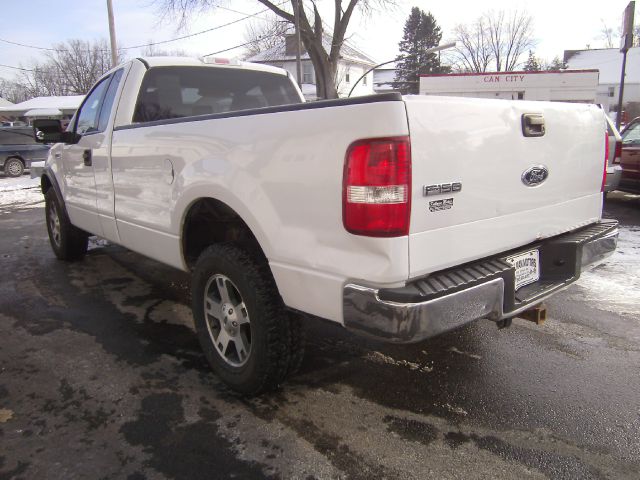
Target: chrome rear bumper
(484,289)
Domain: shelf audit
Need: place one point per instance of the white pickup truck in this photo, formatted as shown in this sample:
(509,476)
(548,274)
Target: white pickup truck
(397,217)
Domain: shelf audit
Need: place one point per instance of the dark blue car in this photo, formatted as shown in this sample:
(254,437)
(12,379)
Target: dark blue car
(18,149)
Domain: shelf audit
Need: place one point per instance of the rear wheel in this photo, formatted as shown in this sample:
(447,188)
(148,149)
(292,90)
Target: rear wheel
(13,167)
(244,329)
(67,241)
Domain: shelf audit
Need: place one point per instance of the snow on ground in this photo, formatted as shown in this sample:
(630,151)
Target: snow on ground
(20,193)
(616,283)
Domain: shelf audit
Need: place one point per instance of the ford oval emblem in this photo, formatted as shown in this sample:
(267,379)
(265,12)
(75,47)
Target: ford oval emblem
(534,176)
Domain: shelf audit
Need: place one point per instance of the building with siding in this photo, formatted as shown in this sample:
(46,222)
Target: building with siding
(608,61)
(352,64)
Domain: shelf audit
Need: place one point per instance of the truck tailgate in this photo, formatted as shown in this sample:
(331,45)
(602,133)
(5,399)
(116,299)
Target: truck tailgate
(480,145)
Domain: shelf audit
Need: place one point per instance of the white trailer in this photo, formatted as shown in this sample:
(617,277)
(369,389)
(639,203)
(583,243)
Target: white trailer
(560,86)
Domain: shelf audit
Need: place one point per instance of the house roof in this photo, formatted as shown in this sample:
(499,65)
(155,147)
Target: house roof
(278,53)
(608,61)
(69,102)
(5,103)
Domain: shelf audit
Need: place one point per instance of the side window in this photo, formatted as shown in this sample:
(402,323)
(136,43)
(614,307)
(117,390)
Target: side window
(632,135)
(16,136)
(88,115)
(109,98)
(307,73)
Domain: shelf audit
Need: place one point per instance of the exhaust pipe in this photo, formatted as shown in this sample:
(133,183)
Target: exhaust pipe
(537,314)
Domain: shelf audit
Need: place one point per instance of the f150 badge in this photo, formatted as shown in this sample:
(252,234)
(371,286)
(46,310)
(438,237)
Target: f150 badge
(534,176)
(439,188)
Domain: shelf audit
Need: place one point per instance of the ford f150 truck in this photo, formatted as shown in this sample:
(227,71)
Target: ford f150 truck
(397,217)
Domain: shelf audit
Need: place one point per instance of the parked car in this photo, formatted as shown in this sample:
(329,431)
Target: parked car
(397,217)
(16,123)
(614,170)
(18,149)
(630,161)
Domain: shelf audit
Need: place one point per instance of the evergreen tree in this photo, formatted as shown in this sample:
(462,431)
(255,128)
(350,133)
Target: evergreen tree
(557,64)
(532,64)
(421,32)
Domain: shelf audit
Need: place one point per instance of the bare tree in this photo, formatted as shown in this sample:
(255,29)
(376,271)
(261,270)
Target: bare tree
(12,91)
(607,35)
(511,36)
(43,80)
(70,69)
(151,50)
(497,37)
(473,53)
(312,30)
(265,34)
(80,63)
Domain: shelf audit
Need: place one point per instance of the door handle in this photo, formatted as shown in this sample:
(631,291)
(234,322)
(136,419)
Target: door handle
(533,125)
(86,156)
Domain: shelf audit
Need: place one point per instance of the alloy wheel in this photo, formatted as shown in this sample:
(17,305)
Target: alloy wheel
(227,320)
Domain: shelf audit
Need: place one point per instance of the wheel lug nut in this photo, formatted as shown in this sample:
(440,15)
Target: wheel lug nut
(231,311)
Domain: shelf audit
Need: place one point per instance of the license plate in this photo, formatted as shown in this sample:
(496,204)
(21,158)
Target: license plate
(527,265)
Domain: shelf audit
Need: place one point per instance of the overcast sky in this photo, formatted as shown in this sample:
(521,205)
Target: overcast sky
(558,25)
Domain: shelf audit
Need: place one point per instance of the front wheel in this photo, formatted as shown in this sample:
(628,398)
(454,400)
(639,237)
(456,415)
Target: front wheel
(67,241)
(13,167)
(248,337)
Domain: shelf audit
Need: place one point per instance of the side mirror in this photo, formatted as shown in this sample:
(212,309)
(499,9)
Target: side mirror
(51,131)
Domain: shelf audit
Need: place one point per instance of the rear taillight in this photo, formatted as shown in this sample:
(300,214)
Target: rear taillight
(618,155)
(606,160)
(376,192)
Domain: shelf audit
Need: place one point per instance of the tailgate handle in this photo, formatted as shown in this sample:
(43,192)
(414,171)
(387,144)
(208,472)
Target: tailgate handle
(533,125)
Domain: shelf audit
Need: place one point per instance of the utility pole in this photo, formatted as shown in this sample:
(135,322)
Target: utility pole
(296,16)
(625,44)
(112,35)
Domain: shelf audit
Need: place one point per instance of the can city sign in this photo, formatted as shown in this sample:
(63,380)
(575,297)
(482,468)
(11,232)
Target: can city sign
(562,85)
(503,78)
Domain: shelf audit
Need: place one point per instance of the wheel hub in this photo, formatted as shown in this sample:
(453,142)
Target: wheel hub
(230,322)
(14,168)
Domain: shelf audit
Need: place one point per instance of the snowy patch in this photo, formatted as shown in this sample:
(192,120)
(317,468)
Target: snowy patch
(467,354)
(381,358)
(616,284)
(20,194)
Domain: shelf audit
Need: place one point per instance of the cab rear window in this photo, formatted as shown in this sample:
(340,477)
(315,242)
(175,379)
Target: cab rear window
(174,92)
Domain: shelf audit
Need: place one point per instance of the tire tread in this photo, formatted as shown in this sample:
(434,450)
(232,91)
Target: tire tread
(283,337)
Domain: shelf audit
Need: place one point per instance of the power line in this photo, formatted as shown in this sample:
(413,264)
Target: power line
(26,45)
(16,68)
(246,17)
(238,46)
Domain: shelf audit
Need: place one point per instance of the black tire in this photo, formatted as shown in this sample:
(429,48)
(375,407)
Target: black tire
(297,345)
(67,241)
(13,167)
(264,327)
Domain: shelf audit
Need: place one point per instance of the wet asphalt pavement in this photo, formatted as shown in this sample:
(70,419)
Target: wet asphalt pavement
(101,376)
